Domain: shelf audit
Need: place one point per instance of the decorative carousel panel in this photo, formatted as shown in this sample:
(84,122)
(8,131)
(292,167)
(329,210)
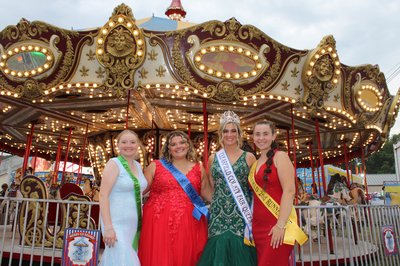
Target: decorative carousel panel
(321,73)
(121,49)
(225,60)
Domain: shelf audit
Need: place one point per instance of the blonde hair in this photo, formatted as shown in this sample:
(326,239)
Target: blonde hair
(128,131)
(221,130)
(191,154)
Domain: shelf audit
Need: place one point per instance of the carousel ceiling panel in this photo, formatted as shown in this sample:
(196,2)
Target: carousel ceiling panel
(290,84)
(88,70)
(57,79)
(155,69)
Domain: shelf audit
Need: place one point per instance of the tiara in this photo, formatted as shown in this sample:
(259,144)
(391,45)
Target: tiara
(229,117)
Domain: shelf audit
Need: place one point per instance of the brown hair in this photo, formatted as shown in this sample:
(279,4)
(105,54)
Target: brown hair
(271,152)
(191,154)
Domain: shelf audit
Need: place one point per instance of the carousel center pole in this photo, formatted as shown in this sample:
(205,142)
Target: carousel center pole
(205,121)
(321,158)
(66,156)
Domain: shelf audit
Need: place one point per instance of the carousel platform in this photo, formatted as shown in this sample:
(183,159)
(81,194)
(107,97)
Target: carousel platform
(318,253)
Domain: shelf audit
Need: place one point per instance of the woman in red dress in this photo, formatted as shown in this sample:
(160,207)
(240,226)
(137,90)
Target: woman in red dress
(171,235)
(275,175)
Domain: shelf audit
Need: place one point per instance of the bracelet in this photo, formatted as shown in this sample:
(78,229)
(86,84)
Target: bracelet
(108,227)
(280,227)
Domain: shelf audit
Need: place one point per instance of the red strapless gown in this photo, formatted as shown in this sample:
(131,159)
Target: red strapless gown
(263,221)
(171,236)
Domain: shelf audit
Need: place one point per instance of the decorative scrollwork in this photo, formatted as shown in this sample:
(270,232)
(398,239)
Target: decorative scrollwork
(225,92)
(31,89)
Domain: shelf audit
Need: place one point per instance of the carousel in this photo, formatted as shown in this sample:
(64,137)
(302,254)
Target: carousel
(65,94)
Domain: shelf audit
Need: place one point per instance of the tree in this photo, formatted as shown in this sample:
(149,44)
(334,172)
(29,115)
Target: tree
(382,162)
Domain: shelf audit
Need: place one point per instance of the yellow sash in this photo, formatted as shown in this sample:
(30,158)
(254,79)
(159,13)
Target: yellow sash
(293,232)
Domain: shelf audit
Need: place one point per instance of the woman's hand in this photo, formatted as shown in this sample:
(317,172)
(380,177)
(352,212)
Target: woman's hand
(109,236)
(278,234)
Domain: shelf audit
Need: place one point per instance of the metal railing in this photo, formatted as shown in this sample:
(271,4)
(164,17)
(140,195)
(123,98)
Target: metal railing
(31,230)
(348,235)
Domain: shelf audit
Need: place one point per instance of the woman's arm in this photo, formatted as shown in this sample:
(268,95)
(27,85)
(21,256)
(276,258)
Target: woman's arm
(286,178)
(110,174)
(206,189)
(149,172)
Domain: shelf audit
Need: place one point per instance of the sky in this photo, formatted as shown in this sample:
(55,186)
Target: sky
(366,31)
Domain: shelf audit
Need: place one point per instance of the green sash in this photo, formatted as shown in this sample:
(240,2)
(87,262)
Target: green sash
(138,198)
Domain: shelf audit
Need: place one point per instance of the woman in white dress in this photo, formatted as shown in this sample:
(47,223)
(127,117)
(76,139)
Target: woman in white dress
(121,191)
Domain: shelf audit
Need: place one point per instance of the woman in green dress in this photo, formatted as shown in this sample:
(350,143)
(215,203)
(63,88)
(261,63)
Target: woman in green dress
(230,213)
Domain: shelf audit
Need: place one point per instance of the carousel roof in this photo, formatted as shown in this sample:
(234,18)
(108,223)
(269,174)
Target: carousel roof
(56,79)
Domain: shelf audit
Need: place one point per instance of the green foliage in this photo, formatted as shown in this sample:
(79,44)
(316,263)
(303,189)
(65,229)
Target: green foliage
(382,162)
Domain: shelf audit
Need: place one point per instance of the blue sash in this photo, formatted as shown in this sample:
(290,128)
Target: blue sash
(199,206)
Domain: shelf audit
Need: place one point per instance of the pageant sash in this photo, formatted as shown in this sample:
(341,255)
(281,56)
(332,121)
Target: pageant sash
(199,206)
(293,232)
(138,198)
(237,194)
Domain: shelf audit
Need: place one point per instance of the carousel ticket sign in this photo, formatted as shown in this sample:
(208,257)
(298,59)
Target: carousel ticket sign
(81,247)
(389,240)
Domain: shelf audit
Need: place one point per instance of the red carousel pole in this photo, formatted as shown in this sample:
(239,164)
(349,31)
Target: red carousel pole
(79,179)
(27,149)
(66,156)
(294,155)
(127,110)
(321,159)
(205,121)
(35,161)
(288,142)
(346,161)
(364,169)
(318,178)
(312,168)
(57,163)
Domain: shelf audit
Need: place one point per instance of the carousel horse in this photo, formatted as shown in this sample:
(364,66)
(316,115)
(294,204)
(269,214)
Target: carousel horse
(357,195)
(316,217)
(91,191)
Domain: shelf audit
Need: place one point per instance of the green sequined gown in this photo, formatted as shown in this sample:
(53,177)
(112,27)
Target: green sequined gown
(225,244)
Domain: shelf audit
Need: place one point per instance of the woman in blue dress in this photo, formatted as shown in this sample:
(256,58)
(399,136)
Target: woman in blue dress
(121,190)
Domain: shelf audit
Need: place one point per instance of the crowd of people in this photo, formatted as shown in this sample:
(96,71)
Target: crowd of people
(160,215)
